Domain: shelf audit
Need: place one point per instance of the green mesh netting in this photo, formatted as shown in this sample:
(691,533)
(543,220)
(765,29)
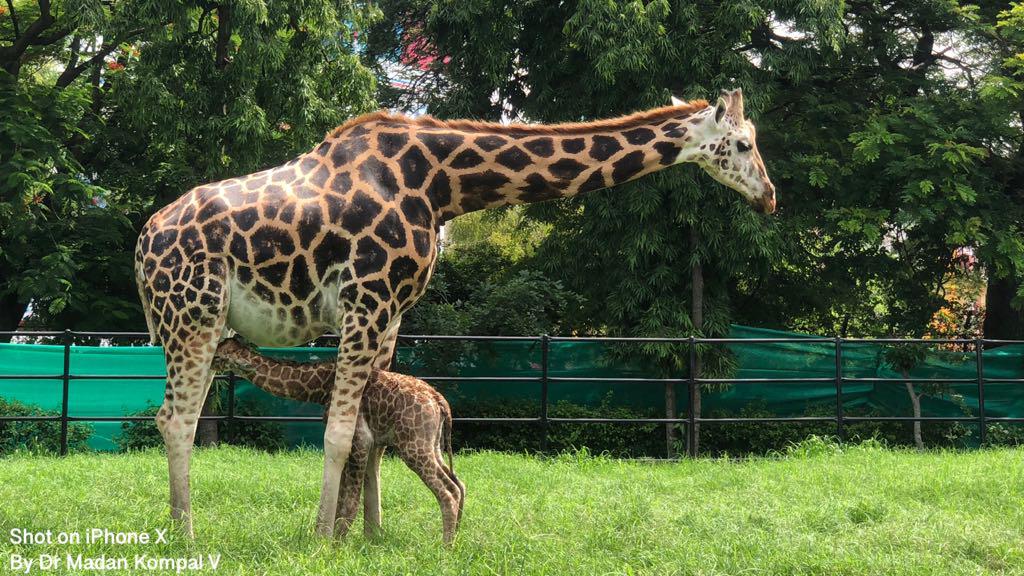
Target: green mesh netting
(94,398)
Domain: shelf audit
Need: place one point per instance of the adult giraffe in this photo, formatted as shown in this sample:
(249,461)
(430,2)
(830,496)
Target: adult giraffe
(343,238)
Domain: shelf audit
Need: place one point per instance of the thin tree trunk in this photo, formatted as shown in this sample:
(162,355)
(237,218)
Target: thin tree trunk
(697,318)
(11,312)
(224,13)
(915,401)
(1002,320)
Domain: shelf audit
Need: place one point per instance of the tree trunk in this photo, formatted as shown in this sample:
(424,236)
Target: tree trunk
(697,319)
(1002,320)
(207,429)
(915,401)
(224,13)
(11,313)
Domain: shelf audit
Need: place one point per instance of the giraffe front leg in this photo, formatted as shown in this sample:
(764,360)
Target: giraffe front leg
(189,339)
(358,349)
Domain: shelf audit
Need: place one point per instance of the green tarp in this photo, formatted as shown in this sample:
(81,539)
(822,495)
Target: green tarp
(102,397)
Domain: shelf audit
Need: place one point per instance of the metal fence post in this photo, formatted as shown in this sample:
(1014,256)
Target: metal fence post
(691,417)
(545,341)
(840,426)
(66,384)
(979,345)
(229,433)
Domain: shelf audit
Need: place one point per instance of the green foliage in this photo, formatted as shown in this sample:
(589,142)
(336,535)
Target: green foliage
(478,289)
(889,152)
(140,435)
(1004,434)
(112,109)
(760,438)
(527,303)
(38,436)
(267,436)
(618,440)
(53,239)
(507,229)
(904,357)
(717,439)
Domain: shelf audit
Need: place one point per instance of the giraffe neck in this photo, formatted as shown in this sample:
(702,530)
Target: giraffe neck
(467,166)
(302,381)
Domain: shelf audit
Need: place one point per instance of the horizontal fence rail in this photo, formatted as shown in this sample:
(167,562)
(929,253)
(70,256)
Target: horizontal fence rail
(693,381)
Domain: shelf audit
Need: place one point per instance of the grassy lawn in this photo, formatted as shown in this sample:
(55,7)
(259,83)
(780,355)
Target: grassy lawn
(856,510)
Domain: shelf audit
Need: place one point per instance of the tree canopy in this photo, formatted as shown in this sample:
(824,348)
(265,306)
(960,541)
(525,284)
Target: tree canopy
(119,107)
(893,131)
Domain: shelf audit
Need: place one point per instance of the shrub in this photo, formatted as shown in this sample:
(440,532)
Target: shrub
(38,436)
(621,440)
(260,435)
(757,438)
(140,435)
(1004,434)
(717,439)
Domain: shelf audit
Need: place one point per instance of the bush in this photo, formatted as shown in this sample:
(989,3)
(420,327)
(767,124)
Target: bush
(140,435)
(1004,434)
(758,438)
(717,439)
(620,440)
(260,435)
(40,436)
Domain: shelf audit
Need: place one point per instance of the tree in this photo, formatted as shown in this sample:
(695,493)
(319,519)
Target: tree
(65,242)
(1002,91)
(896,159)
(119,107)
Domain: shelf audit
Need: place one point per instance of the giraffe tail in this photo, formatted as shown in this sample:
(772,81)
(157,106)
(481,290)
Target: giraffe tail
(446,441)
(446,434)
(140,283)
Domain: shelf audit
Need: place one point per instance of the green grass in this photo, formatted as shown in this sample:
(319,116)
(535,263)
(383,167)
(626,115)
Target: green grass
(822,510)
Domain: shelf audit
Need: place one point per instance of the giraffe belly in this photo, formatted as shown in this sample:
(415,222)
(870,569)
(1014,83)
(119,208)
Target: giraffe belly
(275,324)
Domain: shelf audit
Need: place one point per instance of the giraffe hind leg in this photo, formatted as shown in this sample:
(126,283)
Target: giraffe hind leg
(352,479)
(428,465)
(189,331)
(460,488)
(371,492)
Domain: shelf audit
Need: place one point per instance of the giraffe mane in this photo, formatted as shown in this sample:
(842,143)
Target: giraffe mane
(566,128)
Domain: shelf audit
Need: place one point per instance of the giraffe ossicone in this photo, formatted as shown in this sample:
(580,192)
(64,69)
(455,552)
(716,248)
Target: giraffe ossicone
(344,238)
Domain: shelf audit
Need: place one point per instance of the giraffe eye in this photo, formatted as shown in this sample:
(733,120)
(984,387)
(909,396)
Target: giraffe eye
(742,146)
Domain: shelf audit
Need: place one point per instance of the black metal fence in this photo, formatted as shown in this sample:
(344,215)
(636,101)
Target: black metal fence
(692,381)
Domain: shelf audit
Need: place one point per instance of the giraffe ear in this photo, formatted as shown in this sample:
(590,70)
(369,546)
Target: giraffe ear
(677,101)
(721,107)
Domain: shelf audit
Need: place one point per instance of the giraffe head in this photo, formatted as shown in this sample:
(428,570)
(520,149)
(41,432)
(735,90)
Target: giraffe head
(234,355)
(729,151)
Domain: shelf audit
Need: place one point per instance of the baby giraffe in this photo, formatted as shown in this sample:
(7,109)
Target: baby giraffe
(396,410)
